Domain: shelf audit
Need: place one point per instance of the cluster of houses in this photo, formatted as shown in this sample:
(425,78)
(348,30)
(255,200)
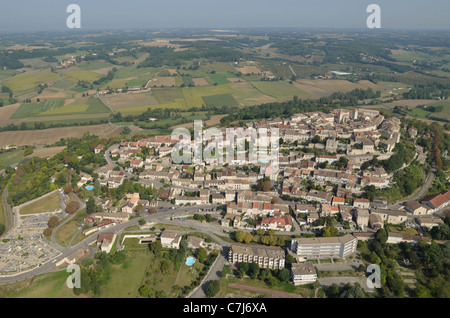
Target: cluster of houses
(363,214)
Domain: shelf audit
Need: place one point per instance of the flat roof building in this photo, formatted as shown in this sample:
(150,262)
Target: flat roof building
(324,247)
(265,257)
(303,273)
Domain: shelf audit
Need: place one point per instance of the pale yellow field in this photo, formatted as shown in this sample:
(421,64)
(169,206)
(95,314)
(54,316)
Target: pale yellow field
(130,100)
(410,103)
(249,70)
(30,80)
(162,81)
(322,88)
(50,136)
(6,112)
(47,152)
(200,81)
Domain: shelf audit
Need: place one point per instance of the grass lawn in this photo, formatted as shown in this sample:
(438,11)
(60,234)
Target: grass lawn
(125,279)
(398,229)
(11,157)
(187,274)
(3,216)
(169,283)
(68,230)
(132,244)
(51,285)
(325,261)
(49,203)
(169,227)
(80,237)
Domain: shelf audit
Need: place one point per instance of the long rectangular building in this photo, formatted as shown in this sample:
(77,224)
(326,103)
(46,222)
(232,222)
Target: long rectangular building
(324,247)
(265,257)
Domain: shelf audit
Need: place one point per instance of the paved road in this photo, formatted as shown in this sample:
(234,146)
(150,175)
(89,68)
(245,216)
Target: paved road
(425,187)
(162,216)
(113,163)
(49,266)
(427,184)
(8,210)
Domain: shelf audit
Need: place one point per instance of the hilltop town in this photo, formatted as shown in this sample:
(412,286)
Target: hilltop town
(312,207)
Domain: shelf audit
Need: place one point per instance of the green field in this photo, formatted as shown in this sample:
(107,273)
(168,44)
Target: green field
(3,215)
(218,67)
(28,81)
(74,119)
(49,203)
(222,78)
(96,106)
(63,84)
(81,75)
(279,90)
(425,114)
(11,157)
(66,110)
(5,74)
(57,108)
(220,100)
(167,95)
(94,65)
(116,83)
(409,56)
(445,109)
(125,279)
(187,80)
(133,71)
(51,285)
(194,95)
(34,109)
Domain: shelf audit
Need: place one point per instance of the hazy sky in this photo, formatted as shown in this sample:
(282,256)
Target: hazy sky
(43,15)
